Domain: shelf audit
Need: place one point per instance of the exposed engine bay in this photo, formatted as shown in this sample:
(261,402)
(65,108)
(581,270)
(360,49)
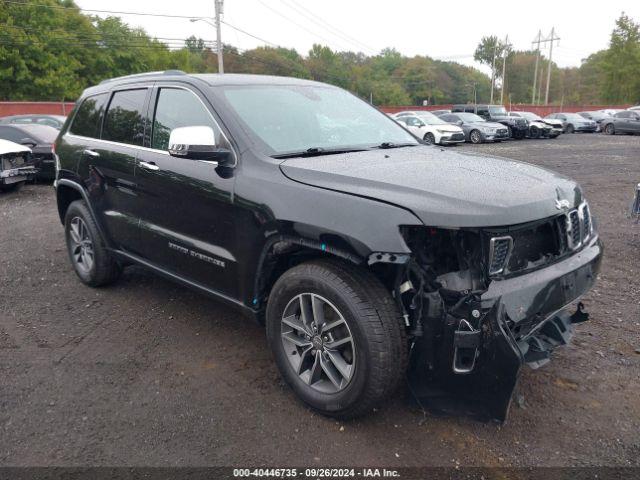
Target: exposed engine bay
(480,303)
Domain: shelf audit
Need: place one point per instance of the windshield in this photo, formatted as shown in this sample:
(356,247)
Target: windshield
(498,111)
(596,115)
(574,116)
(470,117)
(430,118)
(295,118)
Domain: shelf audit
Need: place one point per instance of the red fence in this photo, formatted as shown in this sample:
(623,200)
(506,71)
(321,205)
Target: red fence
(60,108)
(541,110)
(51,108)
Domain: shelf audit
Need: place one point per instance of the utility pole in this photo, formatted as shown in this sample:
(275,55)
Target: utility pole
(219,4)
(551,39)
(535,74)
(493,69)
(504,67)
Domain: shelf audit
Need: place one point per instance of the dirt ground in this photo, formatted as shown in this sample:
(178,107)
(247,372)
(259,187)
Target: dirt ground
(148,373)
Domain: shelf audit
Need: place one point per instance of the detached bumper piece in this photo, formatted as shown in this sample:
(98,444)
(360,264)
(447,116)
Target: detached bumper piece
(537,347)
(485,365)
(467,359)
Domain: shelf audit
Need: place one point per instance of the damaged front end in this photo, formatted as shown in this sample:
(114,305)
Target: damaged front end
(481,303)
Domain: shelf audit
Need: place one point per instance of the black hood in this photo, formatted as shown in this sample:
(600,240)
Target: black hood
(443,188)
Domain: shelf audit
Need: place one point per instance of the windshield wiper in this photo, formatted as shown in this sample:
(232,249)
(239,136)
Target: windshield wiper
(386,145)
(316,152)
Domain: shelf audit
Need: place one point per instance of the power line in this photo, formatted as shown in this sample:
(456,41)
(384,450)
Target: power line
(306,29)
(251,35)
(300,10)
(143,14)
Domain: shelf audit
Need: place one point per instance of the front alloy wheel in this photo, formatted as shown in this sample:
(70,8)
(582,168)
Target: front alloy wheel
(337,337)
(475,137)
(318,343)
(430,138)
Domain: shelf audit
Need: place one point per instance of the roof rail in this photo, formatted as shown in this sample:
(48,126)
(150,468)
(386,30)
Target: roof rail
(143,75)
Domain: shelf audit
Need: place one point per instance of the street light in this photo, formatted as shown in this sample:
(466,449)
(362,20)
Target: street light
(218,35)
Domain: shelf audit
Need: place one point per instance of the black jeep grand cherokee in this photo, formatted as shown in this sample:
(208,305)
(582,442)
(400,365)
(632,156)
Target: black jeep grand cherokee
(363,251)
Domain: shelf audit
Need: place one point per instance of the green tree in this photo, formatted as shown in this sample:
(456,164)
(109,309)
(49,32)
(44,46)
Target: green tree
(622,62)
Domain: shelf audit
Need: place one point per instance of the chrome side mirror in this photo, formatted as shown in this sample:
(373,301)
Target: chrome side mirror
(197,143)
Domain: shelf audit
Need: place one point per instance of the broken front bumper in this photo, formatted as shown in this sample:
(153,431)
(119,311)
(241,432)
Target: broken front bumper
(517,321)
(15,175)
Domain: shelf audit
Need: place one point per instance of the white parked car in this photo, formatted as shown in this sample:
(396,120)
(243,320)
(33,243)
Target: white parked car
(635,109)
(16,165)
(430,128)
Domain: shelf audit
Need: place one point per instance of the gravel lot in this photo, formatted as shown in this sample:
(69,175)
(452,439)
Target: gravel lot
(148,373)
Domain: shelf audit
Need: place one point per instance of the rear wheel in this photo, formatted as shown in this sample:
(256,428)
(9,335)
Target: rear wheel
(430,138)
(475,136)
(89,256)
(609,129)
(337,337)
(570,129)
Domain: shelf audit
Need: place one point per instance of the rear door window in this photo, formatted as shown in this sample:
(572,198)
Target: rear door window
(86,122)
(125,118)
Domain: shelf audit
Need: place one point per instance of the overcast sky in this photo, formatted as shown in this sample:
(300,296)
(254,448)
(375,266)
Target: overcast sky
(447,30)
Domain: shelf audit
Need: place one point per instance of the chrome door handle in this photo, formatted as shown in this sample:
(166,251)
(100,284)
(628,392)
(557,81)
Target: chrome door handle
(148,165)
(90,153)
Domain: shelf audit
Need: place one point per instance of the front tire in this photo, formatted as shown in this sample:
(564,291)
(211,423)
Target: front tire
(337,337)
(609,129)
(475,136)
(570,129)
(430,138)
(534,132)
(92,262)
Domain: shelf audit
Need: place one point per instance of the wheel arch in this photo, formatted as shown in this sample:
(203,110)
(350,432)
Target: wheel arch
(282,252)
(67,192)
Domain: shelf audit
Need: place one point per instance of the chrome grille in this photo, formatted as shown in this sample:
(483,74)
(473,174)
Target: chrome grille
(499,251)
(535,244)
(586,221)
(574,229)
(579,226)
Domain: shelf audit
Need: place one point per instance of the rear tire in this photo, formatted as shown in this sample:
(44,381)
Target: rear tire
(609,129)
(570,129)
(374,359)
(92,262)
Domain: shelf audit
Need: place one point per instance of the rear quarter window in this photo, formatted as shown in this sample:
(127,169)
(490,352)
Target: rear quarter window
(86,122)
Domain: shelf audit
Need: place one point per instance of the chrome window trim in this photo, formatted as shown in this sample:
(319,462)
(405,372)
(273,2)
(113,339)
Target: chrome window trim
(155,150)
(160,85)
